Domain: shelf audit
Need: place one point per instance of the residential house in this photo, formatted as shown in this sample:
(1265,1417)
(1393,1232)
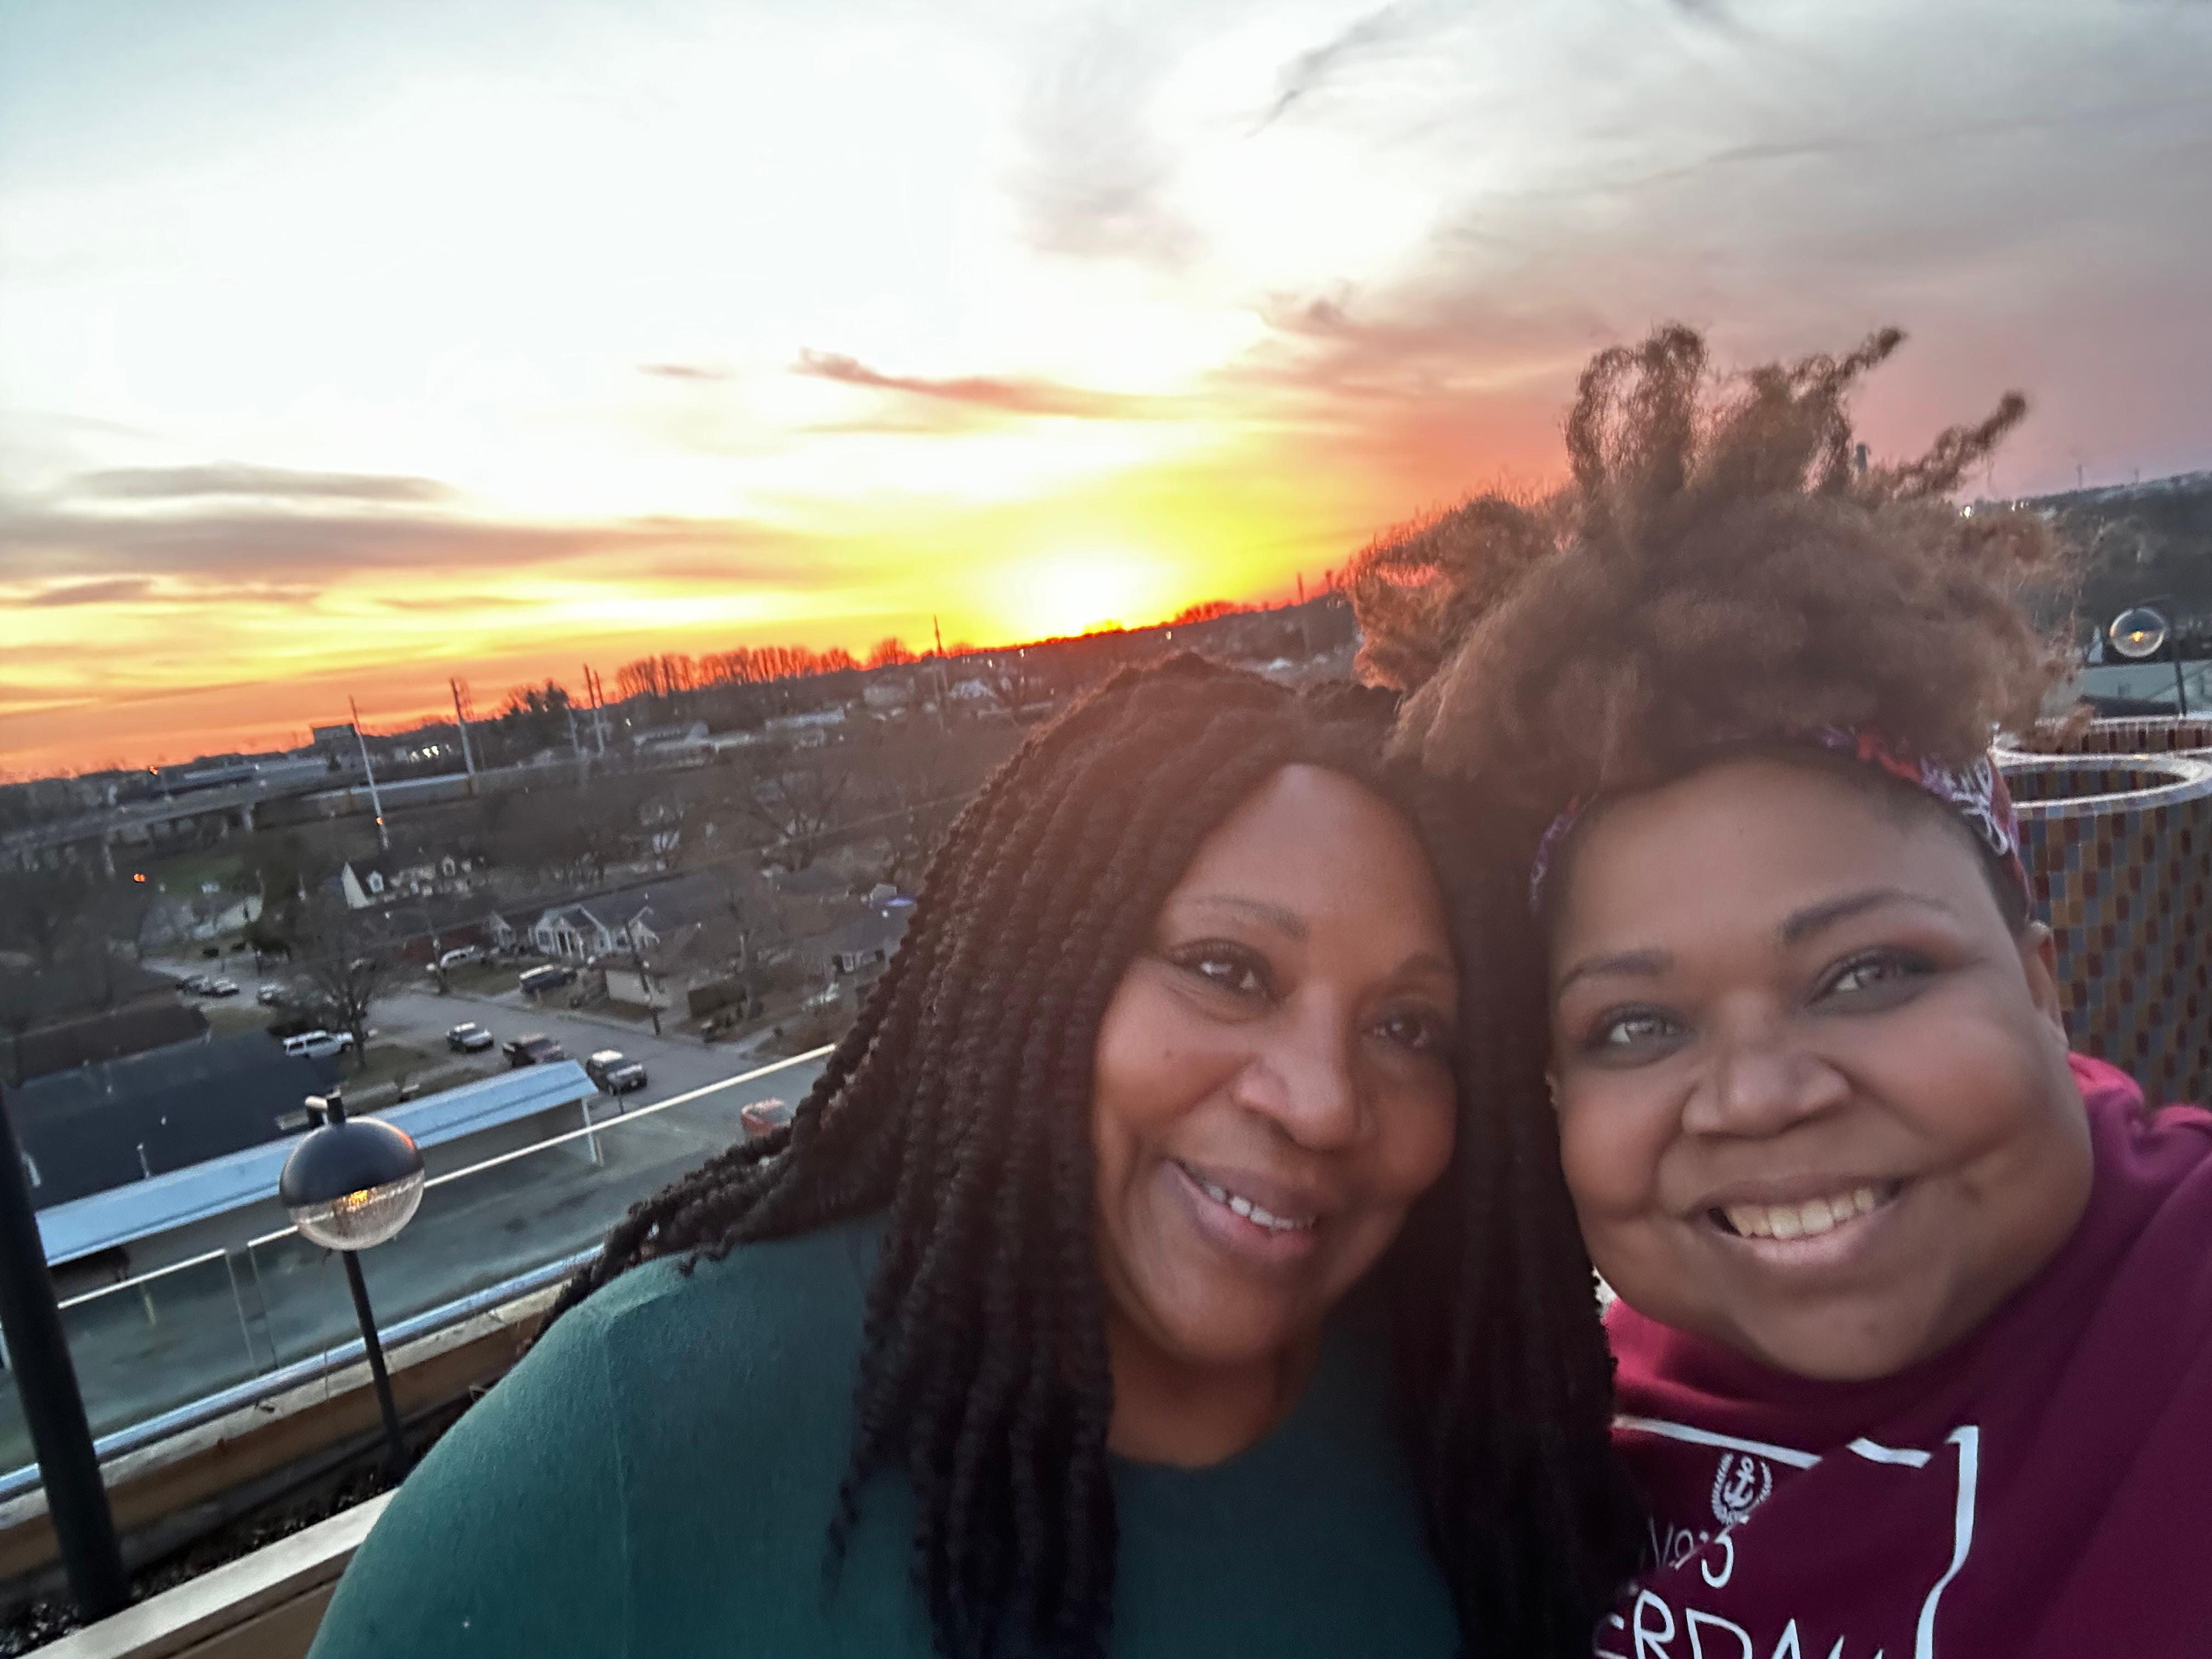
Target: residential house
(884,693)
(369,884)
(860,948)
(576,932)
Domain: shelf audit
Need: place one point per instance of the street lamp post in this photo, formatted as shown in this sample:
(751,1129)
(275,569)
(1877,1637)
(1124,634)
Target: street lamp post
(348,1185)
(2136,634)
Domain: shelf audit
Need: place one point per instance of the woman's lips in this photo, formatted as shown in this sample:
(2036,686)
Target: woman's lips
(1245,1224)
(1804,1233)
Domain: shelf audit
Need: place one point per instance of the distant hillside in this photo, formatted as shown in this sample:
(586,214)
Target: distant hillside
(2141,539)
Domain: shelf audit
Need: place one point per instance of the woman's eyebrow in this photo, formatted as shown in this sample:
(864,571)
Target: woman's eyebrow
(1628,964)
(1279,917)
(1800,925)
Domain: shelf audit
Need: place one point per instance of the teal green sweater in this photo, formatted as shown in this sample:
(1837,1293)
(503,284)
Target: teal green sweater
(656,1479)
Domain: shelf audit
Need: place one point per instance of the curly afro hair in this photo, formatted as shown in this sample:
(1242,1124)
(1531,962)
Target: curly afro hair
(1722,568)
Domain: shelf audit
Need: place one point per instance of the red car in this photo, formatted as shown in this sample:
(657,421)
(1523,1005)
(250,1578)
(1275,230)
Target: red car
(761,1117)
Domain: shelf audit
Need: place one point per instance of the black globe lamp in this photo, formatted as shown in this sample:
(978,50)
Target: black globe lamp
(350,1184)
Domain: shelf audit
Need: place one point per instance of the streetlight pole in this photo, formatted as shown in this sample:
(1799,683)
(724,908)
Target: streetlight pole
(347,1185)
(45,1381)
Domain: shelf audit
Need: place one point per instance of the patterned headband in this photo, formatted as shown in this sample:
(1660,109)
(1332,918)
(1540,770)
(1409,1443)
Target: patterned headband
(1975,793)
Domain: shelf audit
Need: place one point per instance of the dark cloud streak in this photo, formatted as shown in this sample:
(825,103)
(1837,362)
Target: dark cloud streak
(110,592)
(235,478)
(1378,33)
(1007,396)
(278,549)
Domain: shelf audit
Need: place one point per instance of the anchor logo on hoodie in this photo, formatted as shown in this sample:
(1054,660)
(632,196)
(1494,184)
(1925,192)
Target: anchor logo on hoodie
(1740,1485)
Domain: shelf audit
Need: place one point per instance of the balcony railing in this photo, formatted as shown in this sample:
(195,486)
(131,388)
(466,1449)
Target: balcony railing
(162,1351)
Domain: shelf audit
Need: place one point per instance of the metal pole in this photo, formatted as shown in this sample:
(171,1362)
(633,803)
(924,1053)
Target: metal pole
(334,1111)
(394,1441)
(45,1381)
(461,719)
(2180,692)
(368,771)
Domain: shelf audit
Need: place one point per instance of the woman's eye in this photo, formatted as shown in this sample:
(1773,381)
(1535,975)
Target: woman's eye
(1232,971)
(1875,970)
(1631,1031)
(1419,1029)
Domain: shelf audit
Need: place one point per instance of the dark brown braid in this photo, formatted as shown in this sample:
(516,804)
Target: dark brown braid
(959,1106)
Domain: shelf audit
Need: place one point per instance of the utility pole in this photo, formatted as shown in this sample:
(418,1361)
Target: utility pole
(368,771)
(1302,588)
(595,688)
(939,634)
(461,719)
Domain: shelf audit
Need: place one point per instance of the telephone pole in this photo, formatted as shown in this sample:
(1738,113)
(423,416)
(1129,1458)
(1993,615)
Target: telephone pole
(375,805)
(595,688)
(939,634)
(461,719)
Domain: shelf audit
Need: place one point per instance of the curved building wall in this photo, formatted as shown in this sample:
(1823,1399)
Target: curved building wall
(2150,735)
(2119,845)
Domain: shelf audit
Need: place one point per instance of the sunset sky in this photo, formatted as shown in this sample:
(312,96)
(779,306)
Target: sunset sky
(344,347)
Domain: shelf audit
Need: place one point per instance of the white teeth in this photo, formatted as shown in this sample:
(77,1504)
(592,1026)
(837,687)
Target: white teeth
(1246,1208)
(1807,1220)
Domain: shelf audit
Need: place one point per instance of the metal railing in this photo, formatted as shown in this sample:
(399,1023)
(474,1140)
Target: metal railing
(154,1363)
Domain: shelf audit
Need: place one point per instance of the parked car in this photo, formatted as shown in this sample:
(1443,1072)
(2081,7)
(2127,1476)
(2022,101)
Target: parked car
(459,954)
(195,983)
(535,981)
(317,1045)
(616,1073)
(468,1037)
(536,1049)
(760,1117)
(222,987)
(268,995)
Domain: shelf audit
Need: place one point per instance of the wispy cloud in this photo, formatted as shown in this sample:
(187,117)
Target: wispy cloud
(683,371)
(1011,396)
(101,593)
(1379,33)
(247,545)
(236,478)
(1094,180)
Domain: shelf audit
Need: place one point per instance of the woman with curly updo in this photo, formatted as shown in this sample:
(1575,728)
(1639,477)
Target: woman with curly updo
(1131,1283)
(1915,1318)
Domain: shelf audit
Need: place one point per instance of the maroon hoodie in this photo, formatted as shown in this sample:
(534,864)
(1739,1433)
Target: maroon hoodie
(2044,1489)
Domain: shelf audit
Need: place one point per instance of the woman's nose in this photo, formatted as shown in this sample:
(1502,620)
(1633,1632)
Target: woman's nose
(1302,1076)
(1759,1082)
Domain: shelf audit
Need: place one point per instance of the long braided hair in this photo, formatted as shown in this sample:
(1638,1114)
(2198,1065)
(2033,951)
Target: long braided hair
(959,1106)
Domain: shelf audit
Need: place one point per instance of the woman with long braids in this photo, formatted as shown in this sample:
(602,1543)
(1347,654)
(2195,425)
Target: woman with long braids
(1914,1315)
(1131,1283)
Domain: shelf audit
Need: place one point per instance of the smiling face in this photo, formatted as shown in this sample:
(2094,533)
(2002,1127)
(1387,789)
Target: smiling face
(1813,1092)
(1272,1087)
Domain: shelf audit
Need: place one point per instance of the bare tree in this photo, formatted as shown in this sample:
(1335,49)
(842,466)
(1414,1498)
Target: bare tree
(798,806)
(888,653)
(40,912)
(346,960)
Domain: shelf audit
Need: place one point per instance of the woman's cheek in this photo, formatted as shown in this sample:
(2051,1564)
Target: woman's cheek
(1609,1150)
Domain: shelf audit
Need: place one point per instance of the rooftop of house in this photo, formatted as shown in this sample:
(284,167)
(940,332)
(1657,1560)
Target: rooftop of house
(109,1122)
(110,1034)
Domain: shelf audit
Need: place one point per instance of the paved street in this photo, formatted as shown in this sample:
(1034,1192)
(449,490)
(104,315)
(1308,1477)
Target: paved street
(421,1019)
(145,1349)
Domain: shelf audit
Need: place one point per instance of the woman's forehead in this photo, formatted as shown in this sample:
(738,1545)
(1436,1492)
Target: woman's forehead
(1751,840)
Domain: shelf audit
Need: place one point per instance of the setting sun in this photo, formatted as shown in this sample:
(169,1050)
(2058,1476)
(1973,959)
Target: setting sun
(1076,592)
